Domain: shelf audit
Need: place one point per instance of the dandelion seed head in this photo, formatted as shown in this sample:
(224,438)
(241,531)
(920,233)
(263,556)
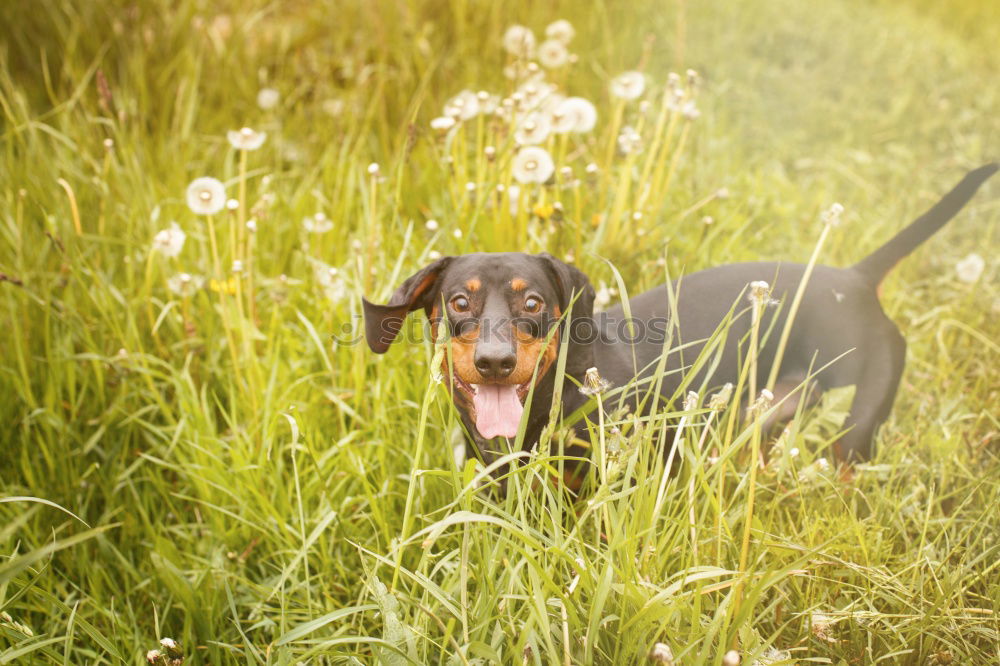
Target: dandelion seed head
(731,658)
(109,144)
(268,98)
(591,169)
(373,169)
(433,255)
(708,219)
(457,233)
(629,140)
(532,165)
(232,204)
(561,30)
(574,114)
(722,193)
(206,196)
(237,266)
(490,153)
(431,225)
(690,110)
(169,242)
(628,86)
(246,139)
(553,54)
(720,400)
(971,268)
(519,41)
(332,107)
(593,383)
(443,123)
(533,130)
(464,105)
(252,226)
(832,215)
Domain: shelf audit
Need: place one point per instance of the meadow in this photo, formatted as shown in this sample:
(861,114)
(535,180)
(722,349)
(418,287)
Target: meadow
(200,463)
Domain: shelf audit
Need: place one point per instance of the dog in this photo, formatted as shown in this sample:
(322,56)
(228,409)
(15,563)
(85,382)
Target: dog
(508,314)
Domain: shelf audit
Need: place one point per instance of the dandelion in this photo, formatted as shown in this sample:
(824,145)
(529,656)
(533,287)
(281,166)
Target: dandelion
(552,54)
(317,224)
(690,110)
(457,234)
(629,85)
(267,98)
(758,291)
(519,41)
(169,242)
(832,216)
(206,196)
(707,220)
(574,114)
(593,383)
(971,268)
(490,152)
(433,255)
(373,169)
(561,30)
(232,204)
(534,94)
(533,130)
(719,400)
(432,225)
(629,140)
(532,165)
(487,103)
(237,267)
(252,226)
(464,105)
(183,284)
(731,658)
(442,123)
(661,654)
(246,138)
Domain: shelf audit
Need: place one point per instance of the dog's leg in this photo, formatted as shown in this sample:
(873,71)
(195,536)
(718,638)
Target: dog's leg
(874,393)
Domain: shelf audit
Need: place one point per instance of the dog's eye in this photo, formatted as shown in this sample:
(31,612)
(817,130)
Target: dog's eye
(460,304)
(532,304)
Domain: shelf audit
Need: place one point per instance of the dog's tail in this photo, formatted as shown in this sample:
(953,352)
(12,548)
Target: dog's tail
(875,266)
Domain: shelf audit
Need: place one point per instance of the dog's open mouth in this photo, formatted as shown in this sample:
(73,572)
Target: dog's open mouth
(497,408)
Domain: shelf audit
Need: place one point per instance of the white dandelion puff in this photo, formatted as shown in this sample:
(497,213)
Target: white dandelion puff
(690,110)
(574,114)
(333,107)
(519,41)
(464,105)
(268,98)
(532,165)
(561,30)
(169,242)
(629,85)
(317,224)
(533,130)
(629,140)
(206,196)
(593,383)
(553,54)
(442,123)
(661,654)
(432,225)
(970,268)
(246,138)
(832,215)
(183,284)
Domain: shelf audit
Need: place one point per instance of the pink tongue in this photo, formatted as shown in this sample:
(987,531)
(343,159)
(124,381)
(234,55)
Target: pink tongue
(498,411)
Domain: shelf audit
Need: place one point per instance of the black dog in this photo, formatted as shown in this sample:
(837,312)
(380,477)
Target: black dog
(501,308)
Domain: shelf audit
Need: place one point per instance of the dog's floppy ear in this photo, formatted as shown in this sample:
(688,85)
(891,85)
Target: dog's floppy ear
(574,288)
(383,322)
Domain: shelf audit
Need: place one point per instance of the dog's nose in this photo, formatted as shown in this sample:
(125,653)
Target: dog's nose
(495,364)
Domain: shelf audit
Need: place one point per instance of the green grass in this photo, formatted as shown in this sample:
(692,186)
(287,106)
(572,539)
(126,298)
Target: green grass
(171,468)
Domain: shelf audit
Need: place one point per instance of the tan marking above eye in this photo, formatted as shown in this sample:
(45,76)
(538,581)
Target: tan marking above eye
(518,284)
(473,285)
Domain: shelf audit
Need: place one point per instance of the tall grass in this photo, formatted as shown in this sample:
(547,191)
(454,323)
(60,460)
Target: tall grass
(210,466)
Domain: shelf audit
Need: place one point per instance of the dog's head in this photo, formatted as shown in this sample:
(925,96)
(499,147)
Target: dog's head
(499,310)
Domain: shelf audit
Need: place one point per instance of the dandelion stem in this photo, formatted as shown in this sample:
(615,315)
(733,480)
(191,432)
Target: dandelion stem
(796,301)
